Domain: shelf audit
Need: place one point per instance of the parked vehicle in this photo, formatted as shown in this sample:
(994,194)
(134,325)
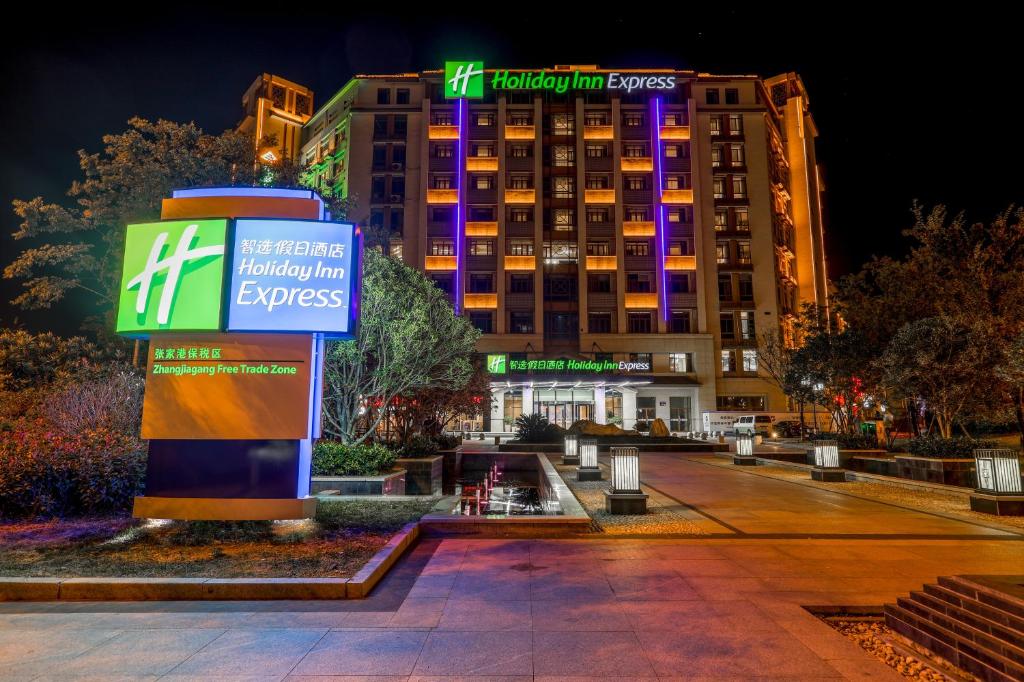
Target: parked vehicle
(789,428)
(753,424)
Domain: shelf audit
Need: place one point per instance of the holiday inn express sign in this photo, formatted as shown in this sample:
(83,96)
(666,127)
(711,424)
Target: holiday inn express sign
(467,78)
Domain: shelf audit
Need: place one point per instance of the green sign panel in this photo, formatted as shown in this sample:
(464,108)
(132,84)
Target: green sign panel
(173,276)
(464,79)
(496,364)
(499,364)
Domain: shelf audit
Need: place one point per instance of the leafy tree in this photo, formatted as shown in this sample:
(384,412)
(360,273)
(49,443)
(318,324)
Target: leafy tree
(430,411)
(1011,372)
(37,360)
(409,340)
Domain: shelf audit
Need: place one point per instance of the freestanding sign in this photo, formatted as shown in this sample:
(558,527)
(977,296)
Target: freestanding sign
(236,309)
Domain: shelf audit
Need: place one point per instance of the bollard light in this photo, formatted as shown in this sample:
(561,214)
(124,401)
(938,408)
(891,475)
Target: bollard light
(588,470)
(826,462)
(744,446)
(999,488)
(571,454)
(625,496)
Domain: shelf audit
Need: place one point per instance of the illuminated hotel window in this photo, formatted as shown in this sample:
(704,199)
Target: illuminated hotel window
(736,155)
(520,284)
(597,181)
(481,282)
(520,215)
(483,150)
(718,187)
(563,155)
(599,283)
(520,322)
(483,181)
(595,118)
(520,181)
(716,156)
(563,219)
(679,247)
(634,150)
(739,187)
(395,249)
(484,119)
(513,406)
(563,187)
(481,247)
(715,125)
(563,124)
(712,96)
(750,361)
(597,215)
(442,118)
(727,326)
(599,323)
(747,329)
(519,118)
(639,323)
(520,247)
(673,118)
(442,247)
(633,119)
(681,181)
(679,323)
(742,216)
(636,214)
(597,151)
(597,248)
(679,283)
(482,320)
(743,252)
(674,215)
(732,96)
(645,408)
(520,151)
(680,362)
(402,96)
(639,282)
(636,182)
(728,361)
(722,253)
(741,403)
(613,406)
(443,182)
(674,151)
(638,248)
(735,124)
(443,150)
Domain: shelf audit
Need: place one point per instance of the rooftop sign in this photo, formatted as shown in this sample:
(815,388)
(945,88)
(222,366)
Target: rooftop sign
(466,80)
(497,364)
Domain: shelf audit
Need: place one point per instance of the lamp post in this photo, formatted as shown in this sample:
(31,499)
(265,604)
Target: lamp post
(999,488)
(826,462)
(588,470)
(571,453)
(625,496)
(744,451)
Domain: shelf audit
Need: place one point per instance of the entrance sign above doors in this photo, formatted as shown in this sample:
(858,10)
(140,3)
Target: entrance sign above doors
(556,366)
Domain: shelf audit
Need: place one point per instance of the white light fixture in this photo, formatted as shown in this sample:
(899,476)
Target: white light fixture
(744,446)
(999,488)
(571,454)
(826,462)
(625,496)
(588,470)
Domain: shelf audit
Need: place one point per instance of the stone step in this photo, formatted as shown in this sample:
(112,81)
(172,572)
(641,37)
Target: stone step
(974,606)
(1005,593)
(998,627)
(1007,647)
(960,651)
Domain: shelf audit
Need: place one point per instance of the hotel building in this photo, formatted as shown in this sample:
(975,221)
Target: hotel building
(621,249)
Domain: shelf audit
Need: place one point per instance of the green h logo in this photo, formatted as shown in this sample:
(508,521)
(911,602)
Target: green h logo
(173,276)
(496,364)
(463,79)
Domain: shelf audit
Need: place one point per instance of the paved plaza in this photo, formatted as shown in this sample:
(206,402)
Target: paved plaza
(727,606)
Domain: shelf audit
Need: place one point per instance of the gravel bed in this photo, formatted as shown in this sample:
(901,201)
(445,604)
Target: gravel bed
(951,503)
(877,639)
(664,516)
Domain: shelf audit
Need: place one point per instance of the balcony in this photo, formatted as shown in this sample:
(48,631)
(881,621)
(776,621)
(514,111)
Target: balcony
(600,163)
(482,263)
(637,263)
(680,262)
(637,164)
(599,263)
(601,300)
(641,301)
(520,196)
(519,229)
(638,228)
(518,301)
(598,132)
(442,196)
(442,163)
(478,301)
(675,132)
(519,163)
(520,263)
(481,163)
(677,196)
(443,132)
(599,196)
(439,263)
(520,132)
(637,196)
(482,228)
(481,196)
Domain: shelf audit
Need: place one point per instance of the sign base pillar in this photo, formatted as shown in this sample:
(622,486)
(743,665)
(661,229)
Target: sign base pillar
(224,509)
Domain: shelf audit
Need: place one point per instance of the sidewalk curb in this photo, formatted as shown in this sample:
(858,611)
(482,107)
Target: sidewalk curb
(212,589)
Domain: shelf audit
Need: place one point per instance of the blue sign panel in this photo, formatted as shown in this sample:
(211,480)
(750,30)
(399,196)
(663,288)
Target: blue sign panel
(294,276)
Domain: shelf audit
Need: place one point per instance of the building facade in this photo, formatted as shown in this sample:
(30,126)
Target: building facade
(275,110)
(621,237)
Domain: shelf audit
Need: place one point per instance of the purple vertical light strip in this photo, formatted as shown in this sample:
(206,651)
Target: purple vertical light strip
(458,205)
(659,209)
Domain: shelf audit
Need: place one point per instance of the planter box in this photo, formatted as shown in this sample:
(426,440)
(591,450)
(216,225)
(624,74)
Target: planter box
(391,483)
(424,475)
(880,464)
(452,467)
(959,472)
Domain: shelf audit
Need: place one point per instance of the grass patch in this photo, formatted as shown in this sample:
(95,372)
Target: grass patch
(344,535)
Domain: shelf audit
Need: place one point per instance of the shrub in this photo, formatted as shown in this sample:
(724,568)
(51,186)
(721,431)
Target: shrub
(447,442)
(535,428)
(110,398)
(48,473)
(850,441)
(419,446)
(946,448)
(333,458)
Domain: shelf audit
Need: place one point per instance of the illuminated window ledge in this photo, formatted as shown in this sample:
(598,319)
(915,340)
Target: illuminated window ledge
(520,263)
(481,163)
(480,301)
(442,196)
(677,196)
(599,196)
(439,263)
(443,132)
(598,133)
(638,228)
(637,163)
(520,132)
(680,262)
(519,196)
(602,263)
(648,301)
(477,228)
(675,132)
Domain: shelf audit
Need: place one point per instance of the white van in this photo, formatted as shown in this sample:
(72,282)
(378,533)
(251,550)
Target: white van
(753,424)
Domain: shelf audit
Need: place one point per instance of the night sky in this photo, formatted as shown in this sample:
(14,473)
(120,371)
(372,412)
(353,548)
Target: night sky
(923,110)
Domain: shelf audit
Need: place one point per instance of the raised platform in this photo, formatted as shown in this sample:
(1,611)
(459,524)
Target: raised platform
(221,509)
(744,460)
(1000,505)
(607,446)
(588,474)
(828,475)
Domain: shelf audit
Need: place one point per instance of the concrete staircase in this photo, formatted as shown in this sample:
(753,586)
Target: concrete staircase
(974,622)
